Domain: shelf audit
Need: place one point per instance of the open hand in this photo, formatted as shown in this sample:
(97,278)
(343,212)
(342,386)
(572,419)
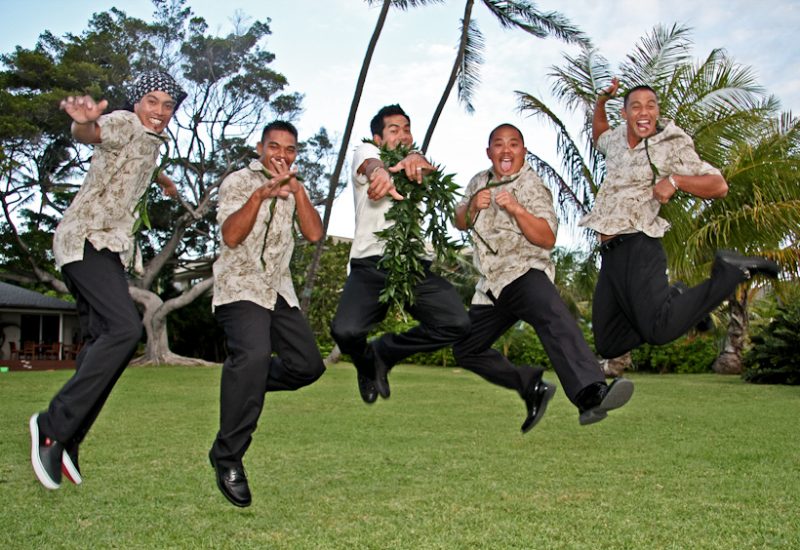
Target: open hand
(83,109)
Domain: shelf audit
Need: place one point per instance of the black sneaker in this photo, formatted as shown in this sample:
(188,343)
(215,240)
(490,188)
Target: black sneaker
(595,400)
(45,456)
(69,465)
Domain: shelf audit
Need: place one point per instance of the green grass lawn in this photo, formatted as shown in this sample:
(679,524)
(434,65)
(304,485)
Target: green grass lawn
(693,461)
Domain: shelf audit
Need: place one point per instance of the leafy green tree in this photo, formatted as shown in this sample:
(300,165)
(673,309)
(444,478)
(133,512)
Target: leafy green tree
(734,126)
(232,92)
(511,14)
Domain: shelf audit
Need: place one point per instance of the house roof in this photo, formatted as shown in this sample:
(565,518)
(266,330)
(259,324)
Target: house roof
(21,298)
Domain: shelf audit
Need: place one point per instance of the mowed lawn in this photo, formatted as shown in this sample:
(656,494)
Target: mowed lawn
(693,461)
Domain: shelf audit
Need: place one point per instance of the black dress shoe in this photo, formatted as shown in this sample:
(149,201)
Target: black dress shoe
(381,372)
(366,387)
(536,402)
(232,482)
(595,400)
(751,265)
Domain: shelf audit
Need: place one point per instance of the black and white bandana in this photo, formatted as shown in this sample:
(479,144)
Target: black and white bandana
(154,81)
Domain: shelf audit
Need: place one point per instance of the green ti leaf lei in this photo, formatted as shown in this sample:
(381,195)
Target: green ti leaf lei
(404,241)
(141,207)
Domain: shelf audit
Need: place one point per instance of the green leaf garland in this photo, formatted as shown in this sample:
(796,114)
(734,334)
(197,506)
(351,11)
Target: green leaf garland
(422,215)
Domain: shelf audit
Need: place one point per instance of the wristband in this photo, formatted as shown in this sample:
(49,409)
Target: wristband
(416,152)
(672,181)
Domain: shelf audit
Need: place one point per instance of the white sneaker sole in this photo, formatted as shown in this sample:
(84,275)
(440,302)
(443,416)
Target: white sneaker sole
(36,461)
(69,469)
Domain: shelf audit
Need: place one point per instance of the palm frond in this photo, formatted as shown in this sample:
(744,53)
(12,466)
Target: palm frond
(581,181)
(524,15)
(655,57)
(576,82)
(468,77)
(406,4)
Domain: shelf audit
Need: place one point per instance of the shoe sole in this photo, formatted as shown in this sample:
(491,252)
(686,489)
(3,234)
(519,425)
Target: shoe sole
(548,395)
(619,393)
(36,460)
(69,469)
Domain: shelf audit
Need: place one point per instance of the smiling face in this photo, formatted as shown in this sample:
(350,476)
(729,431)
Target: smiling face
(641,113)
(154,110)
(396,130)
(506,151)
(279,146)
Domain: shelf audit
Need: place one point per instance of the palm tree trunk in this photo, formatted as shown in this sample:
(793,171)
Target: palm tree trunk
(730,360)
(462,46)
(311,274)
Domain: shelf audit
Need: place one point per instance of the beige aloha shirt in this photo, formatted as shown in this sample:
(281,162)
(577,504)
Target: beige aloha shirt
(498,229)
(104,209)
(239,273)
(625,203)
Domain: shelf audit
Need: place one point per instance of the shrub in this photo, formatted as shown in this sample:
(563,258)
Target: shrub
(774,357)
(686,355)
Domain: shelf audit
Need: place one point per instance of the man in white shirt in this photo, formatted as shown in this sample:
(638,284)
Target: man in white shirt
(438,306)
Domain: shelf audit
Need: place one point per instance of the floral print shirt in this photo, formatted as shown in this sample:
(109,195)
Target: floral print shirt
(511,254)
(256,271)
(625,203)
(104,209)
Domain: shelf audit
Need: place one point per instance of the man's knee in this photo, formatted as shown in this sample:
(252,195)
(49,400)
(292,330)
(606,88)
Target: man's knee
(346,334)
(128,333)
(457,330)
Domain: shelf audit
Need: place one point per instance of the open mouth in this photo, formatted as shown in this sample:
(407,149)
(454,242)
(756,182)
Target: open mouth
(505,164)
(644,126)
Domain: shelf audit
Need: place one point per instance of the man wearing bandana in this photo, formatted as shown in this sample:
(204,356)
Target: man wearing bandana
(255,301)
(93,244)
(649,160)
(510,213)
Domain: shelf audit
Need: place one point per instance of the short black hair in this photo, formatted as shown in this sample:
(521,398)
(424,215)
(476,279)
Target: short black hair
(636,89)
(377,124)
(506,125)
(280,125)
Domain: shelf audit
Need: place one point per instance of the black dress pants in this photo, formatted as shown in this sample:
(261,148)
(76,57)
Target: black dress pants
(534,299)
(438,308)
(253,333)
(633,302)
(111,329)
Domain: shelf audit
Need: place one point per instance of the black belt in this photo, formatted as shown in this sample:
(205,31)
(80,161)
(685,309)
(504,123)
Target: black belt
(614,242)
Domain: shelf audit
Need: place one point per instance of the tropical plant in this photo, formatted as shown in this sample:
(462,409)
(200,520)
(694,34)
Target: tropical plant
(734,126)
(511,14)
(773,357)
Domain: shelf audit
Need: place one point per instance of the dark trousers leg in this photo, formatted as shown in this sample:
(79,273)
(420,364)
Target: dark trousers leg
(442,318)
(438,308)
(535,299)
(98,283)
(359,311)
(633,303)
(474,353)
(252,334)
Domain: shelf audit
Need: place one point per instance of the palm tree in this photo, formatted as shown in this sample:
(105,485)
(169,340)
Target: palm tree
(511,14)
(734,126)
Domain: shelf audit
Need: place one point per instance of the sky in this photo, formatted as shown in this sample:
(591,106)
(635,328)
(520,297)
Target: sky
(319,46)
